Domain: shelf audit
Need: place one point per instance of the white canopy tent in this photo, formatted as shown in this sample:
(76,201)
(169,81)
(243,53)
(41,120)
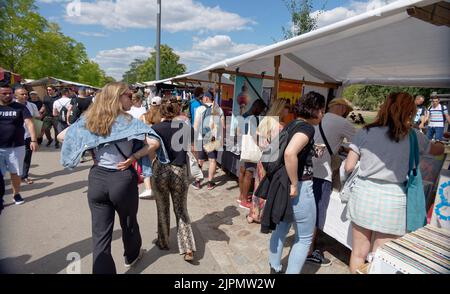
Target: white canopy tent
(384,46)
(56,82)
(200,78)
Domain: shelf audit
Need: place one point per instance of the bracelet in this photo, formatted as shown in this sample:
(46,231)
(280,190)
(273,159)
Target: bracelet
(33,141)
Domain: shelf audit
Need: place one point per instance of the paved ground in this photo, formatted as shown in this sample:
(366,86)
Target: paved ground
(40,235)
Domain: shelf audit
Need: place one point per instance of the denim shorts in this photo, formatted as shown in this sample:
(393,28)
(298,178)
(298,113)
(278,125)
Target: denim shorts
(11,160)
(146,165)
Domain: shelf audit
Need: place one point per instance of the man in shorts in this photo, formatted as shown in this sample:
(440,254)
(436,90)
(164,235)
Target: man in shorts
(13,115)
(217,116)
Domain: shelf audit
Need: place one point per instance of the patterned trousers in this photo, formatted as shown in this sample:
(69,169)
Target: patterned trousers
(169,180)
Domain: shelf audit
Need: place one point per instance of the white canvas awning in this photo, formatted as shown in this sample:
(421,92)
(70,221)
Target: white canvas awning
(384,46)
(200,78)
(56,82)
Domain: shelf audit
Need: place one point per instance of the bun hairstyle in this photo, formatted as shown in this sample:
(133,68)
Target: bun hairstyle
(170,108)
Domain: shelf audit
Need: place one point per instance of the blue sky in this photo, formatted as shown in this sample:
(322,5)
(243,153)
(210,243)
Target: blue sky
(115,32)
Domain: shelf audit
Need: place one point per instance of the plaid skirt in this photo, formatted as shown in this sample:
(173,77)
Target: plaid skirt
(378,206)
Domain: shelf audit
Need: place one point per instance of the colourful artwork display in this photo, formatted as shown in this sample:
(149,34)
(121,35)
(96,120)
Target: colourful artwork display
(227,99)
(246,91)
(291,91)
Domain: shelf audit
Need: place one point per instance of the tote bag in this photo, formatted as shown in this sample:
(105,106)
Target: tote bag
(415,196)
(250,151)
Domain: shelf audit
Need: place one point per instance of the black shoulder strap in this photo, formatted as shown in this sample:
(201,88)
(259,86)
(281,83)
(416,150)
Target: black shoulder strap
(120,151)
(325,139)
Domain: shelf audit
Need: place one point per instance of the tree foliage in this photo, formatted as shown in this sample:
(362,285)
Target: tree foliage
(36,48)
(145,70)
(370,97)
(301,20)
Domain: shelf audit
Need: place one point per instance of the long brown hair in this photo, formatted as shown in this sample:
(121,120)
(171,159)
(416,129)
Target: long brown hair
(396,113)
(169,108)
(106,108)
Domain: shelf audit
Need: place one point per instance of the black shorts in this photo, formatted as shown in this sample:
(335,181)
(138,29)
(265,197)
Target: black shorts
(202,155)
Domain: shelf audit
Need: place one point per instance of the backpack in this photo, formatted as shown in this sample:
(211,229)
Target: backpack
(206,123)
(186,107)
(74,112)
(273,156)
(62,116)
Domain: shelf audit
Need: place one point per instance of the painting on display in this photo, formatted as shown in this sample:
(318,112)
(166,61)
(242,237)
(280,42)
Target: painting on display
(227,99)
(291,91)
(246,91)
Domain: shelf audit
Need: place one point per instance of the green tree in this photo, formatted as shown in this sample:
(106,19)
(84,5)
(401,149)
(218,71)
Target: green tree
(145,70)
(370,97)
(90,73)
(20,26)
(301,19)
(36,48)
(131,75)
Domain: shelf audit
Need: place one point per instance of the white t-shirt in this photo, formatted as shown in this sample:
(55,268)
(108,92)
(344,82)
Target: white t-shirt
(335,128)
(199,115)
(32,108)
(136,112)
(63,101)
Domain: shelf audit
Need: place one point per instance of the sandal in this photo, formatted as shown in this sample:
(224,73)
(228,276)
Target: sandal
(189,256)
(28,181)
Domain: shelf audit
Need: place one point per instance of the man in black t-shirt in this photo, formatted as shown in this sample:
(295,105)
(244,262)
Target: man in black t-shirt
(50,120)
(13,115)
(79,105)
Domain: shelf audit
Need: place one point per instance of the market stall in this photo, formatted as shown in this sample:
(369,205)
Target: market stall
(377,47)
(9,78)
(40,85)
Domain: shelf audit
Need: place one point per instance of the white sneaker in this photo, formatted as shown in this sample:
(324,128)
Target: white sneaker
(146,194)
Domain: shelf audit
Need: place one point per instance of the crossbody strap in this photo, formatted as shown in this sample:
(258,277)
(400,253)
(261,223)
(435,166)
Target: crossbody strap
(325,139)
(120,151)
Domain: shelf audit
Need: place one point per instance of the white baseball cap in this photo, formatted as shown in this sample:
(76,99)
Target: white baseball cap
(156,100)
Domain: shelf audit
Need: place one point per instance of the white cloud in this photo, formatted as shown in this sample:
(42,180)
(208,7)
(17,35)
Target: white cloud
(204,52)
(177,15)
(213,49)
(340,13)
(116,61)
(93,34)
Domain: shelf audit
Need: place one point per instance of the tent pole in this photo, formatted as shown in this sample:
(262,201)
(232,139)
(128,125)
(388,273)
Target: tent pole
(219,91)
(277,61)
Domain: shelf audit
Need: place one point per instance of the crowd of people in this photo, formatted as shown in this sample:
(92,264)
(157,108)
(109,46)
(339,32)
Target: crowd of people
(167,144)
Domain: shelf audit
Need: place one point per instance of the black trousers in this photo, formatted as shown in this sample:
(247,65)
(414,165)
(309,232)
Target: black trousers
(50,122)
(27,159)
(110,191)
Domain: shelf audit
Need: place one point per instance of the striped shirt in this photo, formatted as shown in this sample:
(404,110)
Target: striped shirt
(437,116)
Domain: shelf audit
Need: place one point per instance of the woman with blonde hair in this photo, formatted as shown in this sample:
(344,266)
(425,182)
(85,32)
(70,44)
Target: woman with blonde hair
(377,204)
(112,134)
(268,128)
